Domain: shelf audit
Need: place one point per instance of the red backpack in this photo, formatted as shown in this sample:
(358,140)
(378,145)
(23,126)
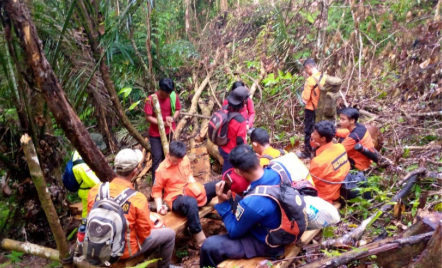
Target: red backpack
(218,125)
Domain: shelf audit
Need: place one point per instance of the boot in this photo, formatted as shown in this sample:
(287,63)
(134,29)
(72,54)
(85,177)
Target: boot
(199,237)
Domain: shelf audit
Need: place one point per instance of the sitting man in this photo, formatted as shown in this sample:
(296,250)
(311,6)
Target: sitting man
(352,133)
(331,165)
(174,176)
(261,145)
(254,216)
(136,210)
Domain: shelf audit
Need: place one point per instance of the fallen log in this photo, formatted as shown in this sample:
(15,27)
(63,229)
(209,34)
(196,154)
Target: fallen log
(40,251)
(352,237)
(427,114)
(212,149)
(195,115)
(380,247)
(431,256)
(206,109)
(414,172)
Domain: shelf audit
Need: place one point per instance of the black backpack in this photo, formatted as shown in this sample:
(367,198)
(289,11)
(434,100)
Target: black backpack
(218,125)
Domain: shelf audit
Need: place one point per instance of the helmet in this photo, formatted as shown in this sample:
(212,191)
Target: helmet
(157,221)
(197,191)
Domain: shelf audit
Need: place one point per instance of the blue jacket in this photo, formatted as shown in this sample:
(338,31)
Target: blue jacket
(255,214)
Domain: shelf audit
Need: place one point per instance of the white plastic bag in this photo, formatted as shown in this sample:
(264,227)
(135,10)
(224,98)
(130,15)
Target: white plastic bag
(320,213)
(295,167)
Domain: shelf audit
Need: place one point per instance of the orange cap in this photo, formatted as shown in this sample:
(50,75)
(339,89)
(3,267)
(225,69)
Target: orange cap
(157,221)
(197,191)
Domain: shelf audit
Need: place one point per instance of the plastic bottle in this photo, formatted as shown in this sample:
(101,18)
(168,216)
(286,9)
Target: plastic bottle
(80,234)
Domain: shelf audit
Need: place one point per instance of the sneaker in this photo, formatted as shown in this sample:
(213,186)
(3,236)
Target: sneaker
(304,155)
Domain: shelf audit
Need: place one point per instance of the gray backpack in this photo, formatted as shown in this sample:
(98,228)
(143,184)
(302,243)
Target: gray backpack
(107,228)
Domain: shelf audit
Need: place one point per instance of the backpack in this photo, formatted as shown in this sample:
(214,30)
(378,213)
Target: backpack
(292,206)
(68,178)
(218,126)
(327,101)
(353,186)
(269,157)
(107,230)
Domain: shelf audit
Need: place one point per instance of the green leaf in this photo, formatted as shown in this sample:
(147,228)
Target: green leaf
(145,264)
(292,140)
(72,234)
(126,91)
(133,105)
(406,153)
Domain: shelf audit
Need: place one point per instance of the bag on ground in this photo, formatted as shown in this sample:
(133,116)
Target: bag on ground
(107,229)
(352,185)
(218,126)
(295,168)
(320,213)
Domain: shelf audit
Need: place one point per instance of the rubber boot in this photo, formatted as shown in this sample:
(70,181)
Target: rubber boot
(199,237)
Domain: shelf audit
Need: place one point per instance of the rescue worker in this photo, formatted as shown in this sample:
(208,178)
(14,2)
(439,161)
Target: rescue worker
(310,97)
(85,176)
(261,145)
(351,133)
(237,128)
(136,210)
(181,193)
(170,110)
(252,219)
(248,110)
(331,165)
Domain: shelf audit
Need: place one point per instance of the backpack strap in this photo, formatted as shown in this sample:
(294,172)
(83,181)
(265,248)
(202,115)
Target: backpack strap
(285,179)
(281,151)
(124,196)
(317,85)
(267,157)
(172,102)
(77,162)
(103,191)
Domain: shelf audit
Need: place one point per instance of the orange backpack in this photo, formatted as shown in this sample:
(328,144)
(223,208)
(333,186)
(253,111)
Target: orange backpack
(291,204)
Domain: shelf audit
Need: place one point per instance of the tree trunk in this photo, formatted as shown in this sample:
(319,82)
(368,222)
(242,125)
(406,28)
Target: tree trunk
(212,149)
(149,46)
(146,70)
(40,251)
(45,198)
(160,122)
(187,17)
(52,91)
(206,109)
(223,5)
(99,54)
(431,256)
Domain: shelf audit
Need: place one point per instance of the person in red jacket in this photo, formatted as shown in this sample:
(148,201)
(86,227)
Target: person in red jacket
(237,128)
(248,110)
(331,165)
(170,110)
(351,133)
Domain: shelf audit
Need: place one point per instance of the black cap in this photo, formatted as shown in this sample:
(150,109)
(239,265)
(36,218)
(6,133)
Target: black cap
(238,95)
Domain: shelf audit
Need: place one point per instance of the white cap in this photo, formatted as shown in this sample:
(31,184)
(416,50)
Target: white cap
(128,159)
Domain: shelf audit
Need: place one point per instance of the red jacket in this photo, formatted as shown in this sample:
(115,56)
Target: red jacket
(248,111)
(166,110)
(236,133)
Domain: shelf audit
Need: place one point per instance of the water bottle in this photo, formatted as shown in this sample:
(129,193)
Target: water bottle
(80,234)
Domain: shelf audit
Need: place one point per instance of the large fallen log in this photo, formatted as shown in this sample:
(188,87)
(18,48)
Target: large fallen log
(380,247)
(206,109)
(352,237)
(431,256)
(40,251)
(212,149)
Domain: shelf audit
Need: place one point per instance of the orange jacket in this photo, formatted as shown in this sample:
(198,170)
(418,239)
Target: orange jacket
(172,179)
(361,135)
(270,151)
(136,210)
(308,95)
(330,164)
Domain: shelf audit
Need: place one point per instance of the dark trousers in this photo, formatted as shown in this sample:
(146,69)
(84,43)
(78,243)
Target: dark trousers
(225,156)
(156,149)
(219,248)
(309,122)
(187,206)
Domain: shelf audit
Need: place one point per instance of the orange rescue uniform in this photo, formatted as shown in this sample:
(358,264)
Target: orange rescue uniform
(268,154)
(136,210)
(360,135)
(330,164)
(171,178)
(311,93)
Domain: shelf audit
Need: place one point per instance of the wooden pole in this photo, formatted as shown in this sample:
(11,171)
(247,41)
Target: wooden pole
(160,123)
(45,198)
(40,251)
(51,89)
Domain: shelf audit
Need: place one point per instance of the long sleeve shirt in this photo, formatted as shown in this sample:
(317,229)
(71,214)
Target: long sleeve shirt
(311,92)
(172,179)
(248,111)
(360,135)
(254,214)
(330,164)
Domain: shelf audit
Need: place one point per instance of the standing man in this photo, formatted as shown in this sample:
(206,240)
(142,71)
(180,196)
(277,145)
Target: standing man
(331,165)
(136,210)
(351,133)
(237,128)
(170,110)
(310,97)
(251,221)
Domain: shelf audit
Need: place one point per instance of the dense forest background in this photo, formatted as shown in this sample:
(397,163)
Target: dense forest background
(109,55)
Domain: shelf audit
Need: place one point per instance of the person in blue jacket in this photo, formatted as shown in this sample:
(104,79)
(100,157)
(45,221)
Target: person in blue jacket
(248,223)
